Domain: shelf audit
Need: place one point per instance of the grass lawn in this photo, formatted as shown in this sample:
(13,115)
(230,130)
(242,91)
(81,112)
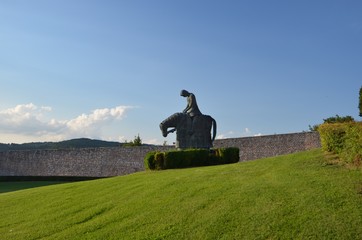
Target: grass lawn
(298,196)
(20,185)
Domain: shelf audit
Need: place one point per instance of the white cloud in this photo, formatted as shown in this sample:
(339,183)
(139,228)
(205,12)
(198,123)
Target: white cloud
(220,136)
(28,120)
(84,122)
(154,141)
(232,134)
(229,134)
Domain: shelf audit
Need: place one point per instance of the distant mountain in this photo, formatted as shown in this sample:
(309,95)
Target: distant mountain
(73,143)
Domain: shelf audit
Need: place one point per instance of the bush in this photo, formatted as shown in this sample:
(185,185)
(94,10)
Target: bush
(137,141)
(229,155)
(352,150)
(149,160)
(199,157)
(335,119)
(174,159)
(186,158)
(339,119)
(344,139)
(159,160)
(190,158)
(332,136)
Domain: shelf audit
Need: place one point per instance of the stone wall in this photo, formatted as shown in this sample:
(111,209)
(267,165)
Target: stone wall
(86,162)
(271,145)
(105,162)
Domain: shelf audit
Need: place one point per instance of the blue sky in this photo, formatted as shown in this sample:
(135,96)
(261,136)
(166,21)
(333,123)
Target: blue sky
(114,69)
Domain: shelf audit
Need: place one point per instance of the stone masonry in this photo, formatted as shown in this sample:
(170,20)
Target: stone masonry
(271,145)
(106,162)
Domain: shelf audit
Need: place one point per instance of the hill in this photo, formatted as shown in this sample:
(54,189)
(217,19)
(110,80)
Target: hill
(298,196)
(74,143)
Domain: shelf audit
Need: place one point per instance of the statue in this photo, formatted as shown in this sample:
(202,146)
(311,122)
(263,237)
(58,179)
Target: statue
(193,129)
(191,109)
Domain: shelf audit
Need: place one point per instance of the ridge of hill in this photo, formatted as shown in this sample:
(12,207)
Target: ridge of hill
(73,143)
(297,196)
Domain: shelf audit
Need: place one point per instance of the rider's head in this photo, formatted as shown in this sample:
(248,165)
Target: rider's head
(184,93)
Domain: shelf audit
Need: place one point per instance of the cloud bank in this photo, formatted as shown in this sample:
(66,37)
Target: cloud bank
(28,121)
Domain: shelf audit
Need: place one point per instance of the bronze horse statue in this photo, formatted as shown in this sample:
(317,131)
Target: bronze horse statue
(191,132)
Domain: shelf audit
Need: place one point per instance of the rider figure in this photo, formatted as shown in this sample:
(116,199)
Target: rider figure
(191,109)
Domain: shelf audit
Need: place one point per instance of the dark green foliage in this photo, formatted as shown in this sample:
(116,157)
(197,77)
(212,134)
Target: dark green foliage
(201,158)
(228,155)
(159,160)
(338,119)
(313,128)
(191,158)
(175,159)
(360,102)
(137,141)
(335,119)
(214,157)
(149,160)
(186,158)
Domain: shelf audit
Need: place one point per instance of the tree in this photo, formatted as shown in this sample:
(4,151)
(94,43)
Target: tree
(360,102)
(335,119)
(339,119)
(137,141)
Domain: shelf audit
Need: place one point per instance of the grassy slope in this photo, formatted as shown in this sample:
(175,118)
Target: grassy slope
(20,185)
(290,197)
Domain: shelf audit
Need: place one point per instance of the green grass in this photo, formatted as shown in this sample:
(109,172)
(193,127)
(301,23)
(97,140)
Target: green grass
(20,185)
(298,196)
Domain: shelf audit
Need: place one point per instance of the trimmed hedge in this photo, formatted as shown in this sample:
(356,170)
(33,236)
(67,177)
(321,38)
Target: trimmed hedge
(332,136)
(149,160)
(352,150)
(344,139)
(190,158)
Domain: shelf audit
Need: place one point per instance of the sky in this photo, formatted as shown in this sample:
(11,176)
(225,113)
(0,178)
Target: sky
(113,70)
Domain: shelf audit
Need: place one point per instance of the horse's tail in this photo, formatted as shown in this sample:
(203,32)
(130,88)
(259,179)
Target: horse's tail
(213,129)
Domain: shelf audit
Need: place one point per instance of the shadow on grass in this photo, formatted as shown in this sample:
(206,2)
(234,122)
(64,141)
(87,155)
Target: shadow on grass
(16,183)
(21,185)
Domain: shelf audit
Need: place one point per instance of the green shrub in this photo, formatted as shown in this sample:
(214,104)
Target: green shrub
(332,136)
(229,155)
(335,119)
(352,151)
(173,159)
(137,141)
(199,157)
(344,139)
(339,119)
(186,158)
(159,160)
(190,158)
(214,158)
(149,160)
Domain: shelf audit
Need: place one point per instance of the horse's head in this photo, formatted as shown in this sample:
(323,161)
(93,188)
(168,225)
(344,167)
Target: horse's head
(163,130)
(171,121)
